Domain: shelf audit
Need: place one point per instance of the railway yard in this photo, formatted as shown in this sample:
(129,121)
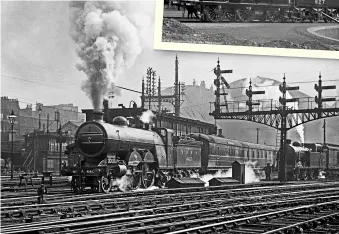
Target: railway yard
(177,28)
(265,207)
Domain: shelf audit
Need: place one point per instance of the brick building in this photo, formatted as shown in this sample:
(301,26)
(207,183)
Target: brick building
(30,142)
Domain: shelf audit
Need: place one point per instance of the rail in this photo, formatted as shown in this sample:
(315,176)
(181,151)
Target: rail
(330,17)
(163,212)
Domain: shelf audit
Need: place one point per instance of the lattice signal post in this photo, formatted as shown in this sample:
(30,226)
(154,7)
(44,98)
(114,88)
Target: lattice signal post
(280,117)
(217,83)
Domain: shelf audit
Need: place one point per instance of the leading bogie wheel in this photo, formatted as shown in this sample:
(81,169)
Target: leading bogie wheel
(106,184)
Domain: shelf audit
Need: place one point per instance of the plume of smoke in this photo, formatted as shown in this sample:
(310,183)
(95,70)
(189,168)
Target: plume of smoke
(147,116)
(108,37)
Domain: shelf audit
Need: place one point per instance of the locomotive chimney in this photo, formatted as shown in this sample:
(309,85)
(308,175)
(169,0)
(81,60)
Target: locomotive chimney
(98,116)
(288,141)
(147,126)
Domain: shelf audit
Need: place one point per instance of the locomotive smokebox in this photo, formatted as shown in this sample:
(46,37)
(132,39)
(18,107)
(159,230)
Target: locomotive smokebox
(98,116)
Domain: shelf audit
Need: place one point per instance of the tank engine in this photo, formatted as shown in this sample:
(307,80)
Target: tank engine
(306,161)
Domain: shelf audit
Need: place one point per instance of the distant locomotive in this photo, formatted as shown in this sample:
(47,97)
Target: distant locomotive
(111,151)
(272,10)
(306,161)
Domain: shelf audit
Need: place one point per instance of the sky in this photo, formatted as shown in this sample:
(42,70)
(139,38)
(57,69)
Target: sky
(38,59)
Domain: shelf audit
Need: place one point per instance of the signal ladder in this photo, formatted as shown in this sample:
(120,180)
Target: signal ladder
(277,139)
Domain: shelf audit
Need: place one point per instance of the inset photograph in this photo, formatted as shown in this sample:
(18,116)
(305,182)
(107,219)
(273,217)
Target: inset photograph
(290,24)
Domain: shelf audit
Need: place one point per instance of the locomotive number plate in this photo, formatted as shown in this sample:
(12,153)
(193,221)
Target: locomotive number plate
(111,159)
(320,2)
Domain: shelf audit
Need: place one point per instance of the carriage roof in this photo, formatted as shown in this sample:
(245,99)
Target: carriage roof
(225,141)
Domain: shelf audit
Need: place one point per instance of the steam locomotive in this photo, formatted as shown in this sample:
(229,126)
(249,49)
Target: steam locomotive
(306,161)
(272,10)
(147,157)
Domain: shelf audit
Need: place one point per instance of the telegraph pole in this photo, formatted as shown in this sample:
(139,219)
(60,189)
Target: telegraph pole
(324,131)
(176,89)
(143,94)
(258,129)
(149,86)
(159,95)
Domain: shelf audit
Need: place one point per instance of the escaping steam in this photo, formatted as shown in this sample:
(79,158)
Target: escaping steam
(250,175)
(124,183)
(147,116)
(108,38)
(300,128)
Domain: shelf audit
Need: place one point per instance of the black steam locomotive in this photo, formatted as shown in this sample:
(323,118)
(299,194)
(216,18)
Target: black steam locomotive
(272,10)
(306,161)
(146,157)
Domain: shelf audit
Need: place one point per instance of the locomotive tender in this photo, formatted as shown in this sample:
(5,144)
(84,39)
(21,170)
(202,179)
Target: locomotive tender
(272,10)
(147,157)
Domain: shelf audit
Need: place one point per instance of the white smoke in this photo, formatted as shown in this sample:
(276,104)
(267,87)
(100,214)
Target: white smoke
(147,116)
(109,37)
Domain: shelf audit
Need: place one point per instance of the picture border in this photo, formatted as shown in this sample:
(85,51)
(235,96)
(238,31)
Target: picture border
(229,49)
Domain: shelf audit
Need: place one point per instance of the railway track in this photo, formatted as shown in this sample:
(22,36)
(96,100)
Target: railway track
(119,208)
(318,218)
(174,217)
(64,195)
